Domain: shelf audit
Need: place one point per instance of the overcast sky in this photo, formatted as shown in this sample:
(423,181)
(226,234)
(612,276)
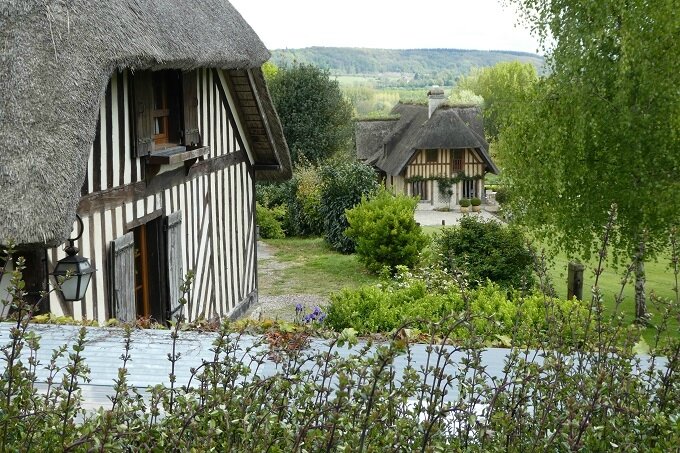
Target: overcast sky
(389,24)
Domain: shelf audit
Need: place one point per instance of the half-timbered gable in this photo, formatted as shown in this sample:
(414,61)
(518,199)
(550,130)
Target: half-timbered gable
(425,146)
(181,129)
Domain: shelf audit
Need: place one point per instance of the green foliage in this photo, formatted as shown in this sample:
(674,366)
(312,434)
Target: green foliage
(581,389)
(464,202)
(345,183)
(316,117)
(269,221)
(465,97)
(410,300)
(486,250)
(269,69)
(502,194)
(308,198)
(602,127)
(299,197)
(475,201)
(500,87)
(385,231)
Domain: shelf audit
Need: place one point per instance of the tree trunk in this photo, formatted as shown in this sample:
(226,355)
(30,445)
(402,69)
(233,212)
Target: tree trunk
(640,297)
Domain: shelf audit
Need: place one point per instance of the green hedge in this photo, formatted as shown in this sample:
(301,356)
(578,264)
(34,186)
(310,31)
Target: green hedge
(493,313)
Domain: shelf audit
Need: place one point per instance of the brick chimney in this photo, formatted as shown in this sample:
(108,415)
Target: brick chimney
(435,97)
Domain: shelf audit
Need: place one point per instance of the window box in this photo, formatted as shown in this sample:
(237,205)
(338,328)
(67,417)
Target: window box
(174,155)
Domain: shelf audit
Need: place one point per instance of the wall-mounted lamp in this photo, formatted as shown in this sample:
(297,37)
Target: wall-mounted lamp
(79,268)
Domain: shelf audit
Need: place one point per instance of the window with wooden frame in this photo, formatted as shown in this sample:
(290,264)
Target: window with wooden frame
(431,155)
(166,111)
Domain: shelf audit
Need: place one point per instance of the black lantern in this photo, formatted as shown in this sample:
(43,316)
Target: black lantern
(78,268)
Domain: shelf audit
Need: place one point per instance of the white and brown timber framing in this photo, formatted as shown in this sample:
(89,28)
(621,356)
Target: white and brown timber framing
(445,165)
(215,197)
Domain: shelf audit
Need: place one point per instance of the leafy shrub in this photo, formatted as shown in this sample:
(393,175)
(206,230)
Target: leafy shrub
(269,221)
(344,184)
(386,232)
(486,250)
(464,202)
(308,197)
(279,391)
(386,307)
(300,198)
(475,201)
(502,195)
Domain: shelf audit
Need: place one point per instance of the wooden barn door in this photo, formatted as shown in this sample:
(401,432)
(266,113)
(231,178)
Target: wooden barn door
(173,227)
(122,278)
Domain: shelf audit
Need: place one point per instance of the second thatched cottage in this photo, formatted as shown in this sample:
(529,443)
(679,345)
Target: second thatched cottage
(151,120)
(436,152)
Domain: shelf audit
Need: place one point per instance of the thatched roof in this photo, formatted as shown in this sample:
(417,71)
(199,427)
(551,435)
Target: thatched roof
(57,58)
(449,128)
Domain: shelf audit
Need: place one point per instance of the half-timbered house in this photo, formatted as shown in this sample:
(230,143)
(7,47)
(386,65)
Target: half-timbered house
(436,152)
(152,121)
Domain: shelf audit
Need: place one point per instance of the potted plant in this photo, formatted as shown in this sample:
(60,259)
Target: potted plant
(464,204)
(476,204)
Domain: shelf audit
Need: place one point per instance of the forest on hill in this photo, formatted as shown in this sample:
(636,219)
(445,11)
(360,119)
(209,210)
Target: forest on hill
(401,67)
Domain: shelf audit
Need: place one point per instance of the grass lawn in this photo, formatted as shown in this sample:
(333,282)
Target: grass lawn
(311,267)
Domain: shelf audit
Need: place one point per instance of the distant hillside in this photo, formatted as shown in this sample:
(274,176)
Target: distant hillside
(444,65)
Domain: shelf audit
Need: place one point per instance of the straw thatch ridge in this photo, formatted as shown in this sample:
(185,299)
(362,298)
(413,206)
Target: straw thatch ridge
(448,128)
(56,60)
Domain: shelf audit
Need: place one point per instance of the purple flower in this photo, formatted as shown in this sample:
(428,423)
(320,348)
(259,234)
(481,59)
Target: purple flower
(298,308)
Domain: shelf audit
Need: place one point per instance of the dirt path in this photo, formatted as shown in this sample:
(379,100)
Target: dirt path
(279,306)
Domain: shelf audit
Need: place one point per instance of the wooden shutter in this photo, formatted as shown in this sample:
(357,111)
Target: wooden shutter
(192,136)
(174,254)
(143,105)
(122,278)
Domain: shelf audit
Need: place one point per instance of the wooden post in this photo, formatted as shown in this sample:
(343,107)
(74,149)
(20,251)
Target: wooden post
(575,280)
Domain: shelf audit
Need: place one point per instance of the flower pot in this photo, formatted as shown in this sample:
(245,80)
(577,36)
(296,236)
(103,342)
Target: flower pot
(464,209)
(476,208)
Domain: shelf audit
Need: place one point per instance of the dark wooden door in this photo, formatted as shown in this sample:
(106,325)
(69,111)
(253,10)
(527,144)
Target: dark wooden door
(150,281)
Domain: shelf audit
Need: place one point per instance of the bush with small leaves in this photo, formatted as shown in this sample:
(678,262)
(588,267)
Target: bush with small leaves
(385,231)
(269,221)
(486,250)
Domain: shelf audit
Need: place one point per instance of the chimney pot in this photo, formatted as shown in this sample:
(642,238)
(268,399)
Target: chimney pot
(435,98)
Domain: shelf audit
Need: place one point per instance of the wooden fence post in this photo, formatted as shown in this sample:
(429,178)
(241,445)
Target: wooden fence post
(575,280)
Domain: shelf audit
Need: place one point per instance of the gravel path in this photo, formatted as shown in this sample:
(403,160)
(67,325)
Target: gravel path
(282,306)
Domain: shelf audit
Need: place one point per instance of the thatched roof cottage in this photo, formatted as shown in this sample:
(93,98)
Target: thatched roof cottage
(422,145)
(132,114)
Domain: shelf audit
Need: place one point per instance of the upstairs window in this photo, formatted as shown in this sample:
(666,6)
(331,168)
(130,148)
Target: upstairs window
(166,111)
(431,155)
